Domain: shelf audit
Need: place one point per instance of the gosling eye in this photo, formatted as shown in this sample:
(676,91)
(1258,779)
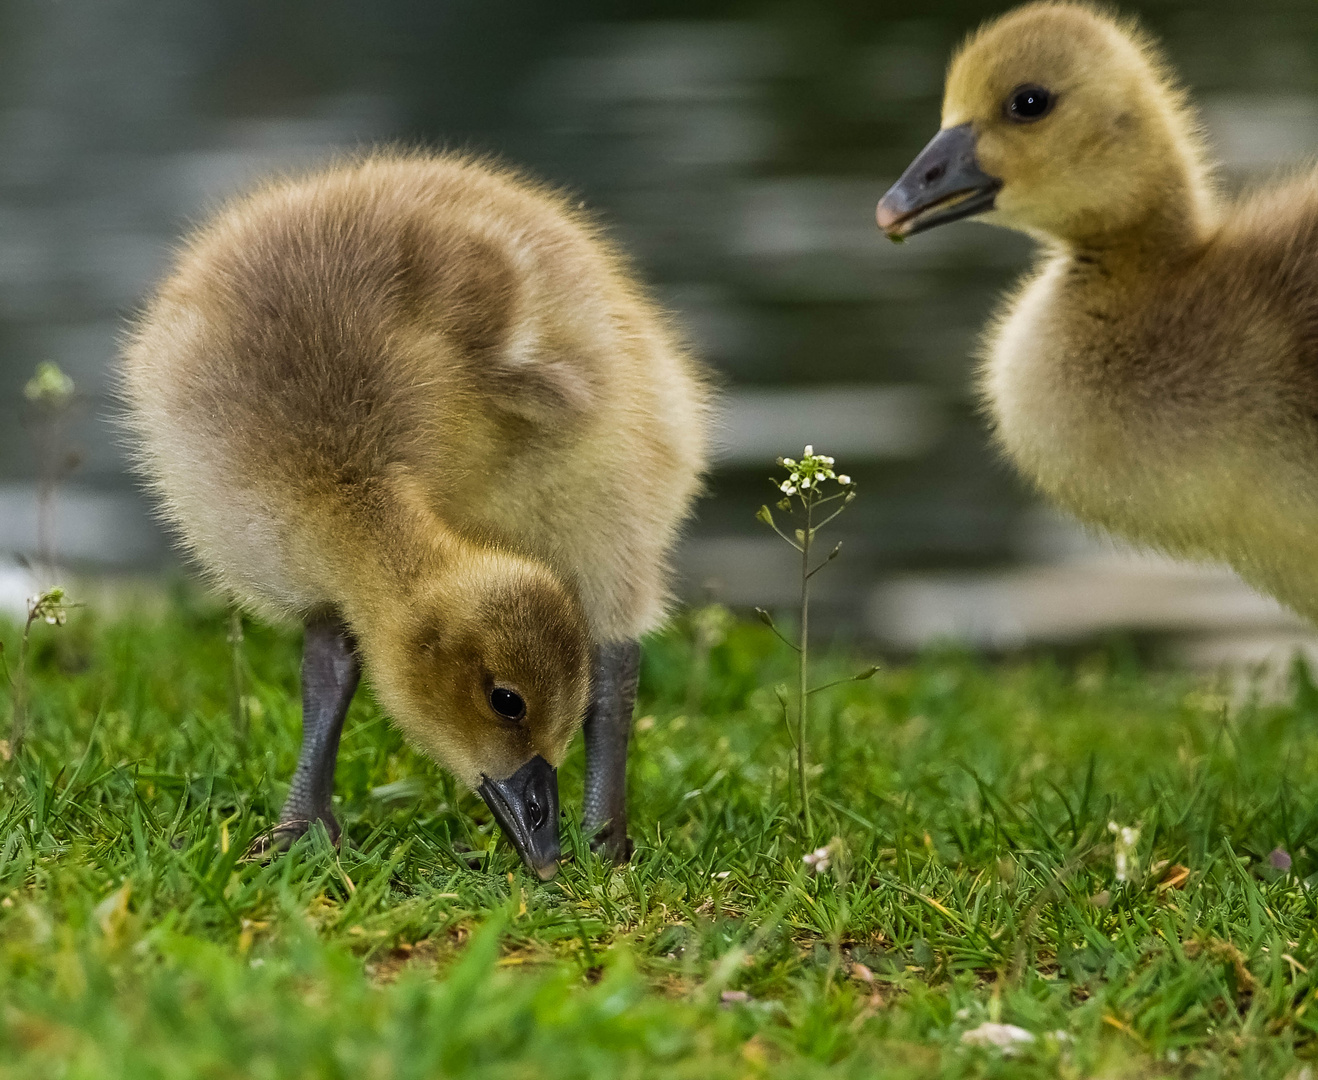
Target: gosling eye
(507,703)
(1029,103)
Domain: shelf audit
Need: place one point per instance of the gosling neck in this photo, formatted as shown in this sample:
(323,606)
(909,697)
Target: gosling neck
(379,547)
(1177,220)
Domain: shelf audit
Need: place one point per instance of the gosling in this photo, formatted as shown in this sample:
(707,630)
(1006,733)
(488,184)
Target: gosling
(1157,371)
(420,404)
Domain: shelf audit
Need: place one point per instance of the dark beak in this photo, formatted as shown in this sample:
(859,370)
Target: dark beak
(944,183)
(526,808)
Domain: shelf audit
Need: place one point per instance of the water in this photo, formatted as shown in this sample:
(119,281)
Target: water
(736,149)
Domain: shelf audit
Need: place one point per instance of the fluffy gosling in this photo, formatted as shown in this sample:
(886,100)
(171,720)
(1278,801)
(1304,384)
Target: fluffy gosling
(1157,371)
(420,404)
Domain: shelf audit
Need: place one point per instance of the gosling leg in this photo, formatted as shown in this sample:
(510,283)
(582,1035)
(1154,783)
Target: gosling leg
(330,671)
(608,728)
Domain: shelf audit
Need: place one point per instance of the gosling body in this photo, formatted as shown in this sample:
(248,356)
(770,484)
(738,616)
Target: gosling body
(422,401)
(1177,403)
(511,378)
(1157,371)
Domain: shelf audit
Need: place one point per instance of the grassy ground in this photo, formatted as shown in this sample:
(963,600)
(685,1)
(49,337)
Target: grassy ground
(977,884)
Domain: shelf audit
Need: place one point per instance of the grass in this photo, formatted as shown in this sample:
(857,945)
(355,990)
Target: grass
(973,801)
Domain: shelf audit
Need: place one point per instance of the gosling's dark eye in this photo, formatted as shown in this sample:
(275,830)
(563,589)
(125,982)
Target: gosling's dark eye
(1029,103)
(507,704)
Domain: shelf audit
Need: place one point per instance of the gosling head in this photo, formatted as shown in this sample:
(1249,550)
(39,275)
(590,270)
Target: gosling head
(1058,121)
(486,667)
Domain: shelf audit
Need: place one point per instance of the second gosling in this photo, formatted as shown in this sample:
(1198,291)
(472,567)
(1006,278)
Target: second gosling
(421,405)
(1157,372)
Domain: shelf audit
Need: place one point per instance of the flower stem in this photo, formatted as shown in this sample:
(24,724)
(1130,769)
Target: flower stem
(803,695)
(18,725)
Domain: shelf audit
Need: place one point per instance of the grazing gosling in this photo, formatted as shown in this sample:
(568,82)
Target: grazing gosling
(420,404)
(1157,372)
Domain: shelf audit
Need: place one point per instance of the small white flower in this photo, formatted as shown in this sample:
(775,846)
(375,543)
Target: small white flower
(818,859)
(807,477)
(49,606)
(1124,861)
(1006,1037)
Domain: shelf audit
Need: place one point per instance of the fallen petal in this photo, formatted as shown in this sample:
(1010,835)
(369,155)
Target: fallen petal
(1006,1037)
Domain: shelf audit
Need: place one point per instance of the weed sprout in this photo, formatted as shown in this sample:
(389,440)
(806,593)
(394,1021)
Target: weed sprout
(51,394)
(1125,858)
(237,702)
(813,494)
(51,607)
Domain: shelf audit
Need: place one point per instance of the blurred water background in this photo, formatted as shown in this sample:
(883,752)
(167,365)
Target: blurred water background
(736,149)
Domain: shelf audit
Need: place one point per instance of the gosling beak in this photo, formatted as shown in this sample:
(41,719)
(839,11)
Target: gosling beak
(944,183)
(526,808)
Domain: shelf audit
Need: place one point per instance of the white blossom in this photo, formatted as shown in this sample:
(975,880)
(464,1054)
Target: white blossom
(809,473)
(818,859)
(49,606)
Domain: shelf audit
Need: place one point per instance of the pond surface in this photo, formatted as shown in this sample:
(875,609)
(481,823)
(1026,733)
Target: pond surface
(736,149)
